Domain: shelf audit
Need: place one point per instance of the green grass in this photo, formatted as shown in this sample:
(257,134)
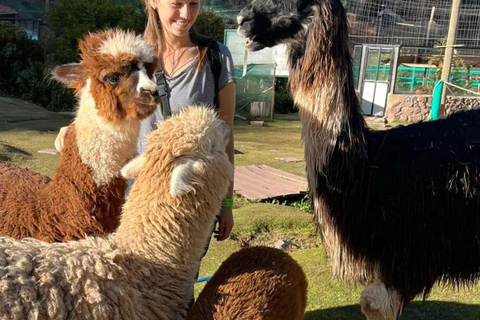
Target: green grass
(261,223)
(278,139)
(21,147)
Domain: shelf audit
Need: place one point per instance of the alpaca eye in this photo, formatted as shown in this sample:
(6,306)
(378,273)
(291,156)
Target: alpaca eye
(112,78)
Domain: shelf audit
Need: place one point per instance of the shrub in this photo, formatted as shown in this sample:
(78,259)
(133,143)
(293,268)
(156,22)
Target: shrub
(16,52)
(24,71)
(36,85)
(210,25)
(283,98)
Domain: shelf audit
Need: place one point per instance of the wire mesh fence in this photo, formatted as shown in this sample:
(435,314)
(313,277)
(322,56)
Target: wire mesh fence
(255,90)
(411,22)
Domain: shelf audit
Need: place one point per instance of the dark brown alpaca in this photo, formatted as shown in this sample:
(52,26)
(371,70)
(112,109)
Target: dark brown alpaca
(257,283)
(86,194)
(398,209)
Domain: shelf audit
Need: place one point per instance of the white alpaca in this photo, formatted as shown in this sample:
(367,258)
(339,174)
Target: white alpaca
(145,269)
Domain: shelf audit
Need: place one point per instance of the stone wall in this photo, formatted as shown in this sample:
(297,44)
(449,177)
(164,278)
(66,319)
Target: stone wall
(414,108)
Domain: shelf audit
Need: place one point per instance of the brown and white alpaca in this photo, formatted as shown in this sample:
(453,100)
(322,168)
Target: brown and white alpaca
(399,208)
(254,283)
(146,268)
(115,91)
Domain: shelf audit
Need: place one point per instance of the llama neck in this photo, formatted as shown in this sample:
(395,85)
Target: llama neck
(170,232)
(321,82)
(170,237)
(104,147)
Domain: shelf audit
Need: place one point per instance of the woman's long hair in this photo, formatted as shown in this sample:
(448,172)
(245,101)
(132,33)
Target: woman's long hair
(153,34)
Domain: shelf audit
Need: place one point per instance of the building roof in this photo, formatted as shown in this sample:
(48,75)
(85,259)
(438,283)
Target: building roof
(4,10)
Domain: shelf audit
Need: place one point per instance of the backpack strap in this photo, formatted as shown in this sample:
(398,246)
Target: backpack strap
(215,62)
(163,92)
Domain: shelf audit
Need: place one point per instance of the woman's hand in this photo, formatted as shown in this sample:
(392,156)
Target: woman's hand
(225,224)
(60,140)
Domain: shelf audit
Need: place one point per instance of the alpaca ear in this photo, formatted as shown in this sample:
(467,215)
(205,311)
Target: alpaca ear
(185,176)
(132,168)
(69,74)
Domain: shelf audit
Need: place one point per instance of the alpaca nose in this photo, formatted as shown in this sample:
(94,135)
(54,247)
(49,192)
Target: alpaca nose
(145,83)
(151,91)
(149,85)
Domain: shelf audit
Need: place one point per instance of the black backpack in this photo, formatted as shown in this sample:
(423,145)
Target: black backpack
(215,62)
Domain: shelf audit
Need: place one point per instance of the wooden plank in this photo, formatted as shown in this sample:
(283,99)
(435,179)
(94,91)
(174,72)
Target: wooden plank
(250,189)
(260,182)
(286,180)
(253,187)
(283,174)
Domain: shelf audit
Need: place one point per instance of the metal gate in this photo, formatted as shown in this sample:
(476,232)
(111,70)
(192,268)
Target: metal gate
(377,69)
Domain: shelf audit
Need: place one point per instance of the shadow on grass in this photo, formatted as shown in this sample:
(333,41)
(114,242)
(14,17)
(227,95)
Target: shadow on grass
(11,150)
(41,125)
(429,310)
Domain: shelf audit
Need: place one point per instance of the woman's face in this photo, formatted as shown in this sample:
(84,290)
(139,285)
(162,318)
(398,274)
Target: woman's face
(177,16)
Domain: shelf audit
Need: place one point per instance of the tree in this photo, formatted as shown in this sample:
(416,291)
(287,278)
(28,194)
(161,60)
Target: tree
(210,25)
(70,20)
(16,52)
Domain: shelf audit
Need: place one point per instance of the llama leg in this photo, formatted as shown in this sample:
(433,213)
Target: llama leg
(379,303)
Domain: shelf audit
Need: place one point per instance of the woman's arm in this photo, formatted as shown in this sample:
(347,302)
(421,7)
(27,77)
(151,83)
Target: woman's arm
(226,104)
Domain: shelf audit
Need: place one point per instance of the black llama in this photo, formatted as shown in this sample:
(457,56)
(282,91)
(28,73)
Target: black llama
(398,209)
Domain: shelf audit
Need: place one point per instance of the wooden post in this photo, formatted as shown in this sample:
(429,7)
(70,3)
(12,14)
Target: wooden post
(447,61)
(432,14)
(273,90)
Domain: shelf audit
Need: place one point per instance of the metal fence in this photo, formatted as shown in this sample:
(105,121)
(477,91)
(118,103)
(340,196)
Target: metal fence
(411,22)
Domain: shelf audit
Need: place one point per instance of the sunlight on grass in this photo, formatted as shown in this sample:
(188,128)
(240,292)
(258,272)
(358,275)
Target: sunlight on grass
(21,148)
(261,145)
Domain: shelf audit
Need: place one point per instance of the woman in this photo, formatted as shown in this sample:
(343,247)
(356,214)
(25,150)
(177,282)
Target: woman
(183,57)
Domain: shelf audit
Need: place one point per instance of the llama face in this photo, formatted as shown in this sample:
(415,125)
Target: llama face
(119,66)
(266,23)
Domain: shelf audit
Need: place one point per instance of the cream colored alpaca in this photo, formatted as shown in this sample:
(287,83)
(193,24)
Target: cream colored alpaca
(145,269)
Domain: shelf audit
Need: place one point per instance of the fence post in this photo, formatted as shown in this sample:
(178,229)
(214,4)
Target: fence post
(447,60)
(436,100)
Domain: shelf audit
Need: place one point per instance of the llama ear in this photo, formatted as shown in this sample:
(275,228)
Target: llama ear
(132,168)
(185,176)
(69,74)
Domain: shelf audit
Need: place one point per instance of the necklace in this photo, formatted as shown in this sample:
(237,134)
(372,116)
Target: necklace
(174,62)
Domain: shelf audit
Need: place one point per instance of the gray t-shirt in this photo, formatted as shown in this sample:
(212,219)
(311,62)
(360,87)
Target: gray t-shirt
(192,86)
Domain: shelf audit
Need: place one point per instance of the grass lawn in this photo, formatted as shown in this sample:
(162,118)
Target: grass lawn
(260,223)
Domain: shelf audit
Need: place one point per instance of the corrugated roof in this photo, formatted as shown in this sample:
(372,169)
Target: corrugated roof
(6,10)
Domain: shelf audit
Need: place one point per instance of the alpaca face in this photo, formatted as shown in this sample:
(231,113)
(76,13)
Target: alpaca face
(192,144)
(266,23)
(119,66)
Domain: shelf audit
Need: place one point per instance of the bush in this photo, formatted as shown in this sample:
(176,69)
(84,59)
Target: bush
(16,52)
(210,25)
(36,85)
(283,98)
(23,71)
